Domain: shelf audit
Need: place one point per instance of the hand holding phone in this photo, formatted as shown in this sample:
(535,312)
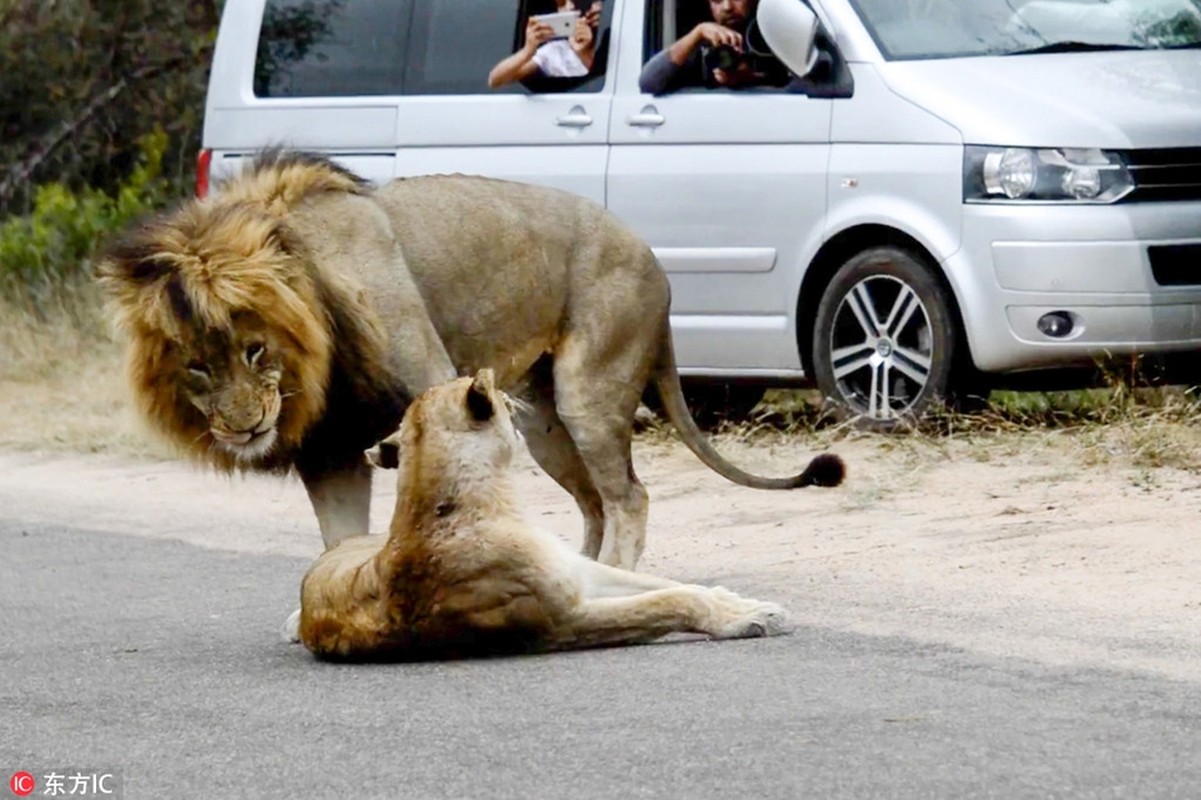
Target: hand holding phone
(561,23)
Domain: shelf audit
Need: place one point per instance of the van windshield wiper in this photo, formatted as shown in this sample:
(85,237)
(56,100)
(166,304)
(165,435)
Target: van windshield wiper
(1071,46)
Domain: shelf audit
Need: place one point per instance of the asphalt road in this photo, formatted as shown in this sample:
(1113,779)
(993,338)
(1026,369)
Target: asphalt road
(161,660)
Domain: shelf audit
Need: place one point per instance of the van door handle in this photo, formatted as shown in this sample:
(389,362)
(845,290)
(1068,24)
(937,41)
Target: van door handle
(648,117)
(577,117)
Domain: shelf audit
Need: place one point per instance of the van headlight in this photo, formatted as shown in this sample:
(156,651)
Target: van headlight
(1061,175)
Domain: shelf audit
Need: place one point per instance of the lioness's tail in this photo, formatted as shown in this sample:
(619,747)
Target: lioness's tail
(826,469)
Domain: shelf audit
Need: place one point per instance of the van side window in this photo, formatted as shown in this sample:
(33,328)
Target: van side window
(455,42)
(341,48)
(331,48)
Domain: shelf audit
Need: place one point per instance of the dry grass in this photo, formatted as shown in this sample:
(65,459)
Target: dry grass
(61,386)
(1141,429)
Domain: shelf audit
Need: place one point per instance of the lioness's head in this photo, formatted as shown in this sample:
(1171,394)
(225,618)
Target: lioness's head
(229,344)
(453,435)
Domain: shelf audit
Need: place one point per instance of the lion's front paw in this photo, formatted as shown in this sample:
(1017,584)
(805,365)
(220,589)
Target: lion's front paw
(291,628)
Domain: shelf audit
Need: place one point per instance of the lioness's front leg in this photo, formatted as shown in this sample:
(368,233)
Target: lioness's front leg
(598,580)
(616,606)
(683,609)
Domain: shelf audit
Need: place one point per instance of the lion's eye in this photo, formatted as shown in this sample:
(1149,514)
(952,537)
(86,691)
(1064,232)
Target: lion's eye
(198,369)
(254,352)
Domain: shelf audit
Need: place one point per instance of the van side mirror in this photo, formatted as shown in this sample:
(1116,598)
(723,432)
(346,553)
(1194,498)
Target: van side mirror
(789,27)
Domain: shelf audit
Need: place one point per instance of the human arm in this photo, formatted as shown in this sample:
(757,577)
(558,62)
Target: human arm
(659,75)
(663,73)
(520,65)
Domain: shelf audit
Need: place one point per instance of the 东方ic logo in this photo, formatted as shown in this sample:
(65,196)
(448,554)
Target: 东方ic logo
(22,784)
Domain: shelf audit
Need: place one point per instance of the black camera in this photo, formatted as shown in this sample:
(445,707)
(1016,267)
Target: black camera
(723,57)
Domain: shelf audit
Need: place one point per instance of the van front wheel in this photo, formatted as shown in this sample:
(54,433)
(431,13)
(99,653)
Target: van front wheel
(884,338)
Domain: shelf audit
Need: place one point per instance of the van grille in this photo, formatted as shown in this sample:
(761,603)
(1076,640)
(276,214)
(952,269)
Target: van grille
(1164,175)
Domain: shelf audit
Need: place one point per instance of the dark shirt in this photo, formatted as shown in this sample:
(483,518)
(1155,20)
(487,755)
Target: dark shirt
(661,75)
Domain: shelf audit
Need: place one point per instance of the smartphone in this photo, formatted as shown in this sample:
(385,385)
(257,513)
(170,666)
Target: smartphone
(562,23)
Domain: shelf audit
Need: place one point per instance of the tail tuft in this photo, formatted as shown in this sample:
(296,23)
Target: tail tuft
(826,469)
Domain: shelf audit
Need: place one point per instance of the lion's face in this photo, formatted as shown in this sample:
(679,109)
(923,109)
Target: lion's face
(235,378)
(230,342)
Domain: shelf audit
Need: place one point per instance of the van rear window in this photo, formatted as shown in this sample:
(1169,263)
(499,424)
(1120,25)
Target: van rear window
(456,42)
(332,48)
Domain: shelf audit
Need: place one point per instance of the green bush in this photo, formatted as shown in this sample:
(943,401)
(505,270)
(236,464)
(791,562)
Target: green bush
(81,80)
(46,252)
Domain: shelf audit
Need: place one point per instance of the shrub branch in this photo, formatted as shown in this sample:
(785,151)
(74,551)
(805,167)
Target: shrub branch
(71,127)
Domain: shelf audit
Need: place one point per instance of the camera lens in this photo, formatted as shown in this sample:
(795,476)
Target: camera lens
(723,58)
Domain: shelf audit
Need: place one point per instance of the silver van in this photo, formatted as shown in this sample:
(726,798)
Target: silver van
(945,190)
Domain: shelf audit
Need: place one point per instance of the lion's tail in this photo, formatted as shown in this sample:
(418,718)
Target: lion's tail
(825,469)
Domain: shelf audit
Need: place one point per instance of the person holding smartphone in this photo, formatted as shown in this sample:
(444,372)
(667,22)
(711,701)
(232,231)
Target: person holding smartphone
(545,56)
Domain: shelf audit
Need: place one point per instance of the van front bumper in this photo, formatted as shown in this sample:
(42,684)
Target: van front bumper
(1018,263)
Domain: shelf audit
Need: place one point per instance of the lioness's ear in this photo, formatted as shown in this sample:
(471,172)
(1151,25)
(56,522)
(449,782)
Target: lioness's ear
(386,454)
(479,404)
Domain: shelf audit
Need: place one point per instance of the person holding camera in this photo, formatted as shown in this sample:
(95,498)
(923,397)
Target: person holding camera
(542,55)
(712,54)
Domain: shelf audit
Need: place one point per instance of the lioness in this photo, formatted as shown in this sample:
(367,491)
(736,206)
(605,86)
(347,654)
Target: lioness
(288,321)
(462,572)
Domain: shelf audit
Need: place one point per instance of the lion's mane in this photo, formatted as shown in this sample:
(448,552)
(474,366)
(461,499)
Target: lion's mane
(192,271)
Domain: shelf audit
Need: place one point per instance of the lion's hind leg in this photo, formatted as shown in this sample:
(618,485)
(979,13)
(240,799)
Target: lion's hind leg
(596,399)
(553,448)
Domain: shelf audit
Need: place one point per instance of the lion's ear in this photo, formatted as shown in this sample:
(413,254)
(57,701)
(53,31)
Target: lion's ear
(386,453)
(142,281)
(140,272)
(134,258)
(479,399)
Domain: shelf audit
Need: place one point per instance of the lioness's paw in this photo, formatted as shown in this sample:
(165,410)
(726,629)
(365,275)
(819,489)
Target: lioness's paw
(291,628)
(775,619)
(767,619)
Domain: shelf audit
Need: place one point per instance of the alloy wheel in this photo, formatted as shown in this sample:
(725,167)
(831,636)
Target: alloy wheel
(881,347)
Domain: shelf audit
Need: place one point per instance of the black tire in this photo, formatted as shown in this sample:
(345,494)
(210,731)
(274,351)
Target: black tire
(884,339)
(713,401)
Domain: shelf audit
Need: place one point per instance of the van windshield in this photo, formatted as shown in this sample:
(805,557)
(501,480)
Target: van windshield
(907,29)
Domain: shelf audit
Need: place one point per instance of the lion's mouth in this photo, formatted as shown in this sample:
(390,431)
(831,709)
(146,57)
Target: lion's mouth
(247,445)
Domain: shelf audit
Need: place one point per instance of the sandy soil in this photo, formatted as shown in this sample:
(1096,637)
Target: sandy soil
(1018,547)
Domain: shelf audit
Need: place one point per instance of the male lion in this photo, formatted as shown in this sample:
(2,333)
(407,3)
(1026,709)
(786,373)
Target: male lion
(462,572)
(288,321)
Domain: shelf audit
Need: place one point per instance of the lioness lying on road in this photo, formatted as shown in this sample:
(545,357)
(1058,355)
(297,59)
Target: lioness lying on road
(461,572)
